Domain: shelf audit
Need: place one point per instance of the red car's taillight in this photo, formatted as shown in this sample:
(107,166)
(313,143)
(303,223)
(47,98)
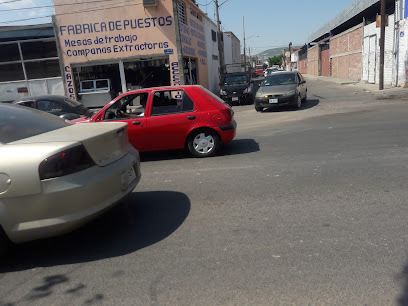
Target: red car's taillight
(65,162)
(228,113)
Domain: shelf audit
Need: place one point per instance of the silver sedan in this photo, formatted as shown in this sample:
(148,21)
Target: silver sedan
(55,176)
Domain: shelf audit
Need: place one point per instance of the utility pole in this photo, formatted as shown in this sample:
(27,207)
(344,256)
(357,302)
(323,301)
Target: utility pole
(290,58)
(250,58)
(220,44)
(243,25)
(382,45)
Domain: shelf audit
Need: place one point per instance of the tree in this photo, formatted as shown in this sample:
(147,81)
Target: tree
(276,60)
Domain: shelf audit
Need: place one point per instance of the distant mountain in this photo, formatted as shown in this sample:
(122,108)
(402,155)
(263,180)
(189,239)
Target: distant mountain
(264,55)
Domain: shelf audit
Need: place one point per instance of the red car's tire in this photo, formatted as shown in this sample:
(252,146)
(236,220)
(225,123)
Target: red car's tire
(203,143)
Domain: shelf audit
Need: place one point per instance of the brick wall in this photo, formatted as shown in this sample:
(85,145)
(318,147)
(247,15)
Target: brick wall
(346,54)
(313,60)
(302,66)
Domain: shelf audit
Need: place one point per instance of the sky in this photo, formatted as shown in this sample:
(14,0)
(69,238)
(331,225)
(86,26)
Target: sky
(268,23)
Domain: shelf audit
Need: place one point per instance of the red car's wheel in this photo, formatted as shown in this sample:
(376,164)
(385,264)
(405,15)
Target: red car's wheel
(203,143)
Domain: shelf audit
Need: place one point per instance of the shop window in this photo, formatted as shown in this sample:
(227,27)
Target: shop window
(39,49)
(195,14)
(142,74)
(9,53)
(171,102)
(181,6)
(42,69)
(190,71)
(214,35)
(11,72)
(95,85)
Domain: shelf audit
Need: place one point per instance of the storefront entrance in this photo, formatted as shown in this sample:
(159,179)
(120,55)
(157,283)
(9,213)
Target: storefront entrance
(97,85)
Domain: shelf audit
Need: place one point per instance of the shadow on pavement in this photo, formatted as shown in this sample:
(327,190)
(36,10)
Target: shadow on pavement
(237,146)
(144,218)
(310,103)
(164,155)
(403,276)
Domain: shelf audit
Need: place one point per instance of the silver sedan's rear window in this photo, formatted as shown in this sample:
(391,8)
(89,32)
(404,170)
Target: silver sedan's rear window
(19,122)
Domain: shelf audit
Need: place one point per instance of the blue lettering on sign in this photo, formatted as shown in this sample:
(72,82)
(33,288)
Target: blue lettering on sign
(406,9)
(70,84)
(175,73)
(168,51)
(189,51)
(117,25)
(116,48)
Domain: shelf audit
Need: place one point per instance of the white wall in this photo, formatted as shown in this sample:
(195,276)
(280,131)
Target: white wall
(389,58)
(402,77)
(50,86)
(212,64)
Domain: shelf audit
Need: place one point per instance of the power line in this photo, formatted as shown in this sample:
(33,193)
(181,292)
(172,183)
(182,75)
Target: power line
(207,3)
(10,1)
(74,12)
(223,3)
(49,6)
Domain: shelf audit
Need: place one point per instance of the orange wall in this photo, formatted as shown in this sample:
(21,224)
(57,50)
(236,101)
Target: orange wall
(313,60)
(193,42)
(346,54)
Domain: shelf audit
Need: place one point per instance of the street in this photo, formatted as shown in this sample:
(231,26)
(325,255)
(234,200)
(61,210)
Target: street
(302,207)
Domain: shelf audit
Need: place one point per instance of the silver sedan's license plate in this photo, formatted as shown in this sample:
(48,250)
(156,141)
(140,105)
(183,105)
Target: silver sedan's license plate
(272,101)
(234,98)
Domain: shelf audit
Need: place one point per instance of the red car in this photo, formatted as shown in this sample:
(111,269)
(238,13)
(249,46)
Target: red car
(172,117)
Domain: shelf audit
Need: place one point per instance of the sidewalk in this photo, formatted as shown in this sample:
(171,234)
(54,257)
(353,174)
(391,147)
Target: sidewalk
(395,93)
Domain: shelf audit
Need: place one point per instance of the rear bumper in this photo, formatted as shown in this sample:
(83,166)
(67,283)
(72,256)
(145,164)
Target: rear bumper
(227,132)
(68,202)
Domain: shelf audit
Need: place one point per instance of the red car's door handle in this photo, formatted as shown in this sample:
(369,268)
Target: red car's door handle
(137,123)
(191,117)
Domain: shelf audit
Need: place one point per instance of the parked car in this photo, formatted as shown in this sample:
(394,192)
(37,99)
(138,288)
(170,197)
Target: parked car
(259,71)
(173,117)
(61,106)
(269,71)
(237,88)
(281,88)
(55,176)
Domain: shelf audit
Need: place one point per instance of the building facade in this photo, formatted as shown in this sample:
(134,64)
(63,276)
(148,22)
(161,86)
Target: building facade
(105,52)
(29,63)
(349,45)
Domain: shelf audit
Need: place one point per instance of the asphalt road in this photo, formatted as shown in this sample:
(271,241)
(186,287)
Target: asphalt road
(303,207)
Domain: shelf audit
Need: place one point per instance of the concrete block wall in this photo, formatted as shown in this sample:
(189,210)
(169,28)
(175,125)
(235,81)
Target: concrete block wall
(302,66)
(371,31)
(313,60)
(346,52)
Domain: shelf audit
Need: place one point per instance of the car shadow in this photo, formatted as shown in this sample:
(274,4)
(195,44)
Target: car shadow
(164,155)
(236,146)
(239,146)
(310,103)
(142,219)
(403,278)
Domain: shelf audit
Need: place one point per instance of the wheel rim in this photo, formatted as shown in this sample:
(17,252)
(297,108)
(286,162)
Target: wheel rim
(203,143)
(299,101)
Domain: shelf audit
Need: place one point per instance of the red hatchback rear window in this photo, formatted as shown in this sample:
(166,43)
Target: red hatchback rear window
(215,97)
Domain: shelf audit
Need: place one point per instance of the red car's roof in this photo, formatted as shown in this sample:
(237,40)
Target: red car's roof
(164,88)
